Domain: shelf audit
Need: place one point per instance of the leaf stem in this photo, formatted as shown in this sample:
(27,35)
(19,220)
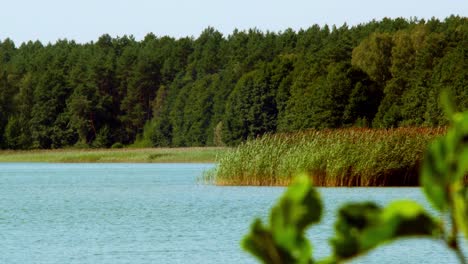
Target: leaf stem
(452,241)
(460,255)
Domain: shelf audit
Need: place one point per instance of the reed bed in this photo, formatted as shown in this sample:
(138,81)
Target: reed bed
(342,157)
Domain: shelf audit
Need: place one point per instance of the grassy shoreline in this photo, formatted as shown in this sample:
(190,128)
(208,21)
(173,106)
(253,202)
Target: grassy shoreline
(340,157)
(125,155)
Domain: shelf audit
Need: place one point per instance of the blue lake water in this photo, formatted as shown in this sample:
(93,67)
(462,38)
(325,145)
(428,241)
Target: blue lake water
(158,213)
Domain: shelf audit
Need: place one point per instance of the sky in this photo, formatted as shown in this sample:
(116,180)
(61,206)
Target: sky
(86,20)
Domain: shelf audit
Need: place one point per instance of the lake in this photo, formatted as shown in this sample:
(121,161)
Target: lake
(158,213)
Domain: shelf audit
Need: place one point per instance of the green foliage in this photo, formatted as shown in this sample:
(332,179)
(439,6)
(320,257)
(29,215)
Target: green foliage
(102,138)
(361,227)
(251,108)
(117,145)
(445,172)
(13,133)
(373,56)
(284,241)
(450,74)
(174,92)
(332,101)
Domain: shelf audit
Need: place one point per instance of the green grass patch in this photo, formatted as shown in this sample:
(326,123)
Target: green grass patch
(131,155)
(342,157)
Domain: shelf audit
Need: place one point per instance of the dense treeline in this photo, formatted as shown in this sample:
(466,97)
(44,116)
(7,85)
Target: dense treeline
(216,89)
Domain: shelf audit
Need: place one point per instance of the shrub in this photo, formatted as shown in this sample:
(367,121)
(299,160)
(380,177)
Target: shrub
(117,145)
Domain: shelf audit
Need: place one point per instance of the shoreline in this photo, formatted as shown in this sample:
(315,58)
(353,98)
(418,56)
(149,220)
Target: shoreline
(125,155)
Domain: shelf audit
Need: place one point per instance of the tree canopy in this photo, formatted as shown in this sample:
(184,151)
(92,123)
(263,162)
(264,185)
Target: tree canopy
(222,90)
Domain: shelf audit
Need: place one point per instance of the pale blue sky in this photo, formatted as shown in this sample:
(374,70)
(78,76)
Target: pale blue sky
(86,20)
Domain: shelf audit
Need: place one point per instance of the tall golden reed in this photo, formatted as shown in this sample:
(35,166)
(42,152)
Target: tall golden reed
(341,157)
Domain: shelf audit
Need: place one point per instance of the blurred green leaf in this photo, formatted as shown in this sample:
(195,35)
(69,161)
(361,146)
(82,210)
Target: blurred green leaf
(461,210)
(299,207)
(261,244)
(446,163)
(284,241)
(363,226)
(445,172)
(434,178)
(352,220)
(460,186)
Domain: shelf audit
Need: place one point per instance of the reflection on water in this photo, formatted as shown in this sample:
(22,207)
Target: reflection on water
(157,213)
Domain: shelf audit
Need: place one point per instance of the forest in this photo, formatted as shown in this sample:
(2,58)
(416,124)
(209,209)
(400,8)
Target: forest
(217,90)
